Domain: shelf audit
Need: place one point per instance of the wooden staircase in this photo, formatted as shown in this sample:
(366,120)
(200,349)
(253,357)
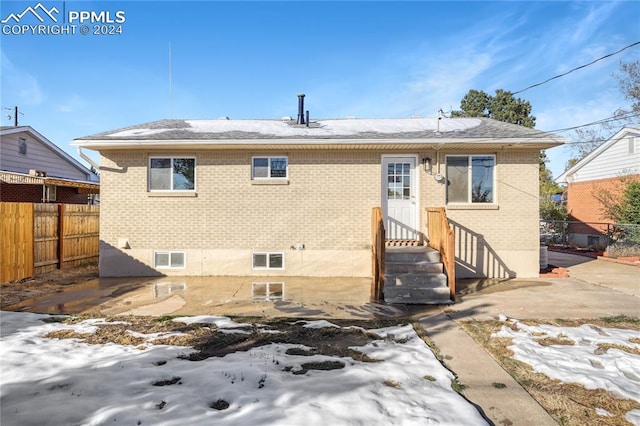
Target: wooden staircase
(404,272)
(415,275)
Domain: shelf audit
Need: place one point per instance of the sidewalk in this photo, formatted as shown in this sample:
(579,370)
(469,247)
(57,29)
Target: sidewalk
(478,371)
(595,288)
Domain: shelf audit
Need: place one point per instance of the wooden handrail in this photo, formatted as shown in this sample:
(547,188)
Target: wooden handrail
(377,254)
(442,238)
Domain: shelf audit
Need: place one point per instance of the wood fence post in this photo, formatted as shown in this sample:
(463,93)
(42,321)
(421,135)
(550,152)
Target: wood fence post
(61,210)
(32,262)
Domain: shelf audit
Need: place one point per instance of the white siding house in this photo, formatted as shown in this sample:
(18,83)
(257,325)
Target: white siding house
(23,149)
(34,170)
(618,156)
(607,168)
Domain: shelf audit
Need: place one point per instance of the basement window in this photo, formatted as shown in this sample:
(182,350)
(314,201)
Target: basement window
(267,291)
(169,259)
(265,260)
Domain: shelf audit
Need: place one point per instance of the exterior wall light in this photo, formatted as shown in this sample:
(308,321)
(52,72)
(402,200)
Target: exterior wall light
(426,163)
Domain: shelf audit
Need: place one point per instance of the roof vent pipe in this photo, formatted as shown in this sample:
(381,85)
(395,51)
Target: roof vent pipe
(300,108)
(307,118)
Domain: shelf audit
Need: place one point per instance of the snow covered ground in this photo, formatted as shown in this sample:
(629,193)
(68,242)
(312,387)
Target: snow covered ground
(584,362)
(47,381)
(65,382)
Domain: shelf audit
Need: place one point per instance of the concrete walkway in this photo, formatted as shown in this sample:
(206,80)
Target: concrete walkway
(478,372)
(596,288)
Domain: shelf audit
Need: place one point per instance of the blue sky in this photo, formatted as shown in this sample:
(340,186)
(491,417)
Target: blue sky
(363,59)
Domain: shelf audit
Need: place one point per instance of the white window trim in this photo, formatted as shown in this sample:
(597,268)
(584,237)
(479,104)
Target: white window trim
(470,180)
(169,252)
(172,157)
(269,157)
(268,254)
(266,298)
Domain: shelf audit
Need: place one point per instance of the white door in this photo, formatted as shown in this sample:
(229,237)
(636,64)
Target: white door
(399,197)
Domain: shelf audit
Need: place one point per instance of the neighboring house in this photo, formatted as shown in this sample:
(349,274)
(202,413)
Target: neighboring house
(33,169)
(278,198)
(602,169)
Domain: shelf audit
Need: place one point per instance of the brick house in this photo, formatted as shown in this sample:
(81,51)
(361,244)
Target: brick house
(34,170)
(602,169)
(294,198)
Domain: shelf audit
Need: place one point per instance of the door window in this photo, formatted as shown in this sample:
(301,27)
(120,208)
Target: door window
(398,181)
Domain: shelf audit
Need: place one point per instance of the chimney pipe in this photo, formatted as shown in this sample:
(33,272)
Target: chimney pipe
(307,118)
(300,108)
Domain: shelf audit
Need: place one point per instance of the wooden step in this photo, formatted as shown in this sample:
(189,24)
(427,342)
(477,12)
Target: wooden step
(411,254)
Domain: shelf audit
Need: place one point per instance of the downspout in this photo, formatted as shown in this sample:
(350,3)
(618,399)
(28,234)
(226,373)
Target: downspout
(87,159)
(93,164)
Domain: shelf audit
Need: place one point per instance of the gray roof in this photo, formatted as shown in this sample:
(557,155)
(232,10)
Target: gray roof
(320,132)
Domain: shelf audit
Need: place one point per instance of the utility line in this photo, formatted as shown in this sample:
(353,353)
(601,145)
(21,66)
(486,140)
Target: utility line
(577,68)
(593,123)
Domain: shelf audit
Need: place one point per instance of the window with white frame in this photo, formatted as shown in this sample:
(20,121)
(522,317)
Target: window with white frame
(266,260)
(269,167)
(169,259)
(172,173)
(471,178)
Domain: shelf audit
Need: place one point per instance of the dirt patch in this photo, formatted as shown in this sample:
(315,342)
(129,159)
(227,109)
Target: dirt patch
(219,404)
(169,382)
(208,341)
(328,341)
(320,365)
(121,330)
(47,283)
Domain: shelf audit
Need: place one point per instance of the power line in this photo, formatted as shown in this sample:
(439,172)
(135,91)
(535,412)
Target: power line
(577,68)
(601,121)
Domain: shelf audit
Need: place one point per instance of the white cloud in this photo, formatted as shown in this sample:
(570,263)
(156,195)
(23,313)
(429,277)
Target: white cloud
(73,103)
(18,86)
(443,83)
(597,15)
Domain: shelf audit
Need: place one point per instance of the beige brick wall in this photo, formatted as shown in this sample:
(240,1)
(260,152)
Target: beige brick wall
(326,206)
(500,240)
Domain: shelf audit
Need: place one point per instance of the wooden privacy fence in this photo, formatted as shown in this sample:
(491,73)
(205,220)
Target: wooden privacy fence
(442,238)
(377,254)
(37,238)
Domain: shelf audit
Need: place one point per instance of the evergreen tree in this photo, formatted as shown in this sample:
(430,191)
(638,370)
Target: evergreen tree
(621,204)
(502,107)
(550,207)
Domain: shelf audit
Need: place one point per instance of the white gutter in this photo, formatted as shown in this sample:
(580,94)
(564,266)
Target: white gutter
(87,159)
